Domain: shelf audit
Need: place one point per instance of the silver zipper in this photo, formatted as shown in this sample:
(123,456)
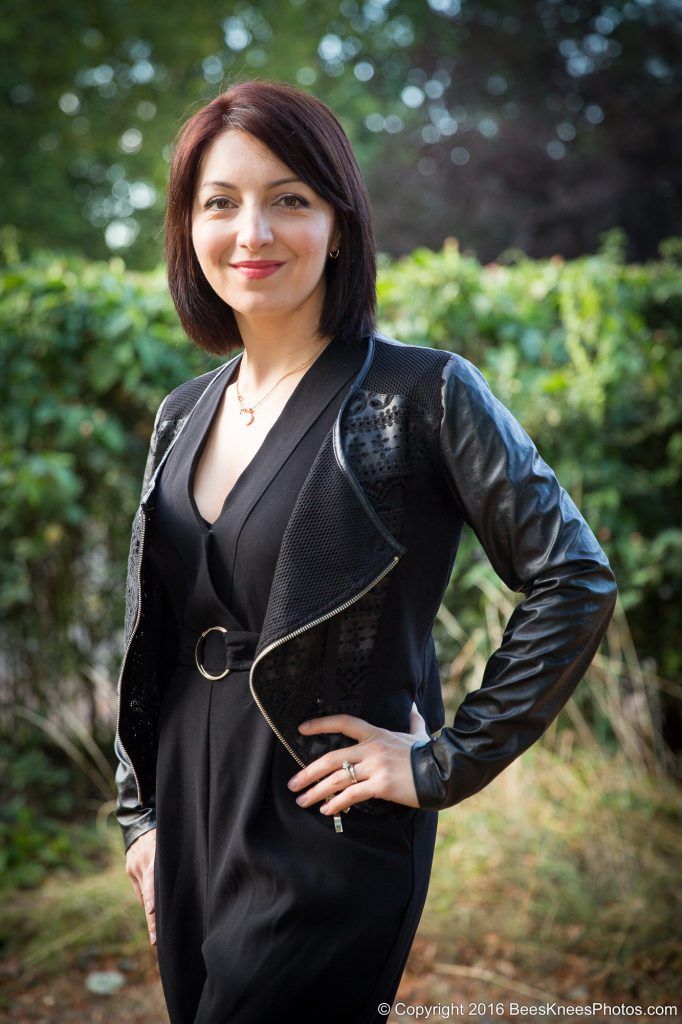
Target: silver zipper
(289,636)
(127,648)
(276,643)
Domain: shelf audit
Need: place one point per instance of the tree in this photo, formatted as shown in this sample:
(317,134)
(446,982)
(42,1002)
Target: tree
(506,125)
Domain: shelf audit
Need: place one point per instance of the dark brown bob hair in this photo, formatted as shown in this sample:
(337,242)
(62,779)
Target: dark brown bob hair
(304,133)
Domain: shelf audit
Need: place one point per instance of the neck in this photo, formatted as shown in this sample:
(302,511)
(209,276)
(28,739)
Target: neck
(271,350)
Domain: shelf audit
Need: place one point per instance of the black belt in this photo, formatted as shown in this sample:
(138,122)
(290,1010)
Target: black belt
(217,650)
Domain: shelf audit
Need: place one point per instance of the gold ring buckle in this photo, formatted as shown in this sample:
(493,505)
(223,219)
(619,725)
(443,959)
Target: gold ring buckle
(207,675)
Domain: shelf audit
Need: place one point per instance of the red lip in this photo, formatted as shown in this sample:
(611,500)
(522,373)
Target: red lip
(258,264)
(255,269)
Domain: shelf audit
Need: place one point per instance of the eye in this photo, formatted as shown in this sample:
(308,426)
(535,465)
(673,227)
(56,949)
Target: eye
(290,201)
(299,200)
(218,199)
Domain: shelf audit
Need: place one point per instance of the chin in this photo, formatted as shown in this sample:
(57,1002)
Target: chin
(249,300)
(262,308)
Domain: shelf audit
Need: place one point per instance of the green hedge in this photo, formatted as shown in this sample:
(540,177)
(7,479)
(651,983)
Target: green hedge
(585,353)
(87,353)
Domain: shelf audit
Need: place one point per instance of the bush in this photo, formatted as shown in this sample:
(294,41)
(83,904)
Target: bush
(586,354)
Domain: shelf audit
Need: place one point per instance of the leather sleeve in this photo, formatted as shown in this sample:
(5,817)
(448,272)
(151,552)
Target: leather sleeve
(134,818)
(150,464)
(539,545)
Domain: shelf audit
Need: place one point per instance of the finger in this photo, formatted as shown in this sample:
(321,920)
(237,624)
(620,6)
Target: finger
(417,722)
(148,882)
(418,725)
(352,795)
(338,780)
(136,889)
(349,725)
(318,770)
(150,913)
(136,882)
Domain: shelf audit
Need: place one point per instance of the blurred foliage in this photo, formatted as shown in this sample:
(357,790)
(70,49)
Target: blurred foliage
(596,911)
(42,825)
(88,351)
(585,353)
(536,125)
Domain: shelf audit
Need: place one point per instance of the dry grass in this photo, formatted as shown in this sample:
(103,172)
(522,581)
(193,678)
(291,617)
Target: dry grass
(560,879)
(567,865)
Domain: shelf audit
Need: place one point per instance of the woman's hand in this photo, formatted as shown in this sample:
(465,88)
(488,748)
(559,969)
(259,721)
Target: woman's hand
(381,759)
(140,869)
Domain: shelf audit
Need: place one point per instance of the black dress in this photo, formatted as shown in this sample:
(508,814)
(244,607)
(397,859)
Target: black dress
(263,910)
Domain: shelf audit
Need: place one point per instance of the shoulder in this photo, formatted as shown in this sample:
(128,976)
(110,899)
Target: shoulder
(174,407)
(421,372)
(394,355)
(182,398)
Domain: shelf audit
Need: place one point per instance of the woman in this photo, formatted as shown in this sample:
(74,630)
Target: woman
(301,510)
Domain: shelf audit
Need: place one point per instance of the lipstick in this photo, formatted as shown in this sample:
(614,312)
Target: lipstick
(257,268)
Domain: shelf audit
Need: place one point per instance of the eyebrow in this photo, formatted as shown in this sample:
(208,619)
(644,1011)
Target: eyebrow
(227,184)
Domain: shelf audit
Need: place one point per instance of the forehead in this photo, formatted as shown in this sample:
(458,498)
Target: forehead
(235,152)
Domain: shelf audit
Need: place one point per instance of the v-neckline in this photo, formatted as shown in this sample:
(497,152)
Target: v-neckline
(319,363)
(203,441)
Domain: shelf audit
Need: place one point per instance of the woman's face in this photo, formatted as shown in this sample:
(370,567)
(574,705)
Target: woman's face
(244,212)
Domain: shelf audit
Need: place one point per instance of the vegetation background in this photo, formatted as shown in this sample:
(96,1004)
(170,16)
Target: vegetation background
(524,167)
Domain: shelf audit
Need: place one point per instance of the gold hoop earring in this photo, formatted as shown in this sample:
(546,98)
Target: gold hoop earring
(334,255)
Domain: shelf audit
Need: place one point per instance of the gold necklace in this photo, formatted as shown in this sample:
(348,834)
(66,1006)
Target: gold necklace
(248,411)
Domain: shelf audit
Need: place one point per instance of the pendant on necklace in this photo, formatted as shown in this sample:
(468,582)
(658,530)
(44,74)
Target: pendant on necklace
(248,413)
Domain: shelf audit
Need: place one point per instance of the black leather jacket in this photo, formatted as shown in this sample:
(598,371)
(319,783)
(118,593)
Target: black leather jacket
(420,446)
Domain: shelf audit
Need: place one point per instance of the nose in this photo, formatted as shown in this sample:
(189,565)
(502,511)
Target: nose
(254,229)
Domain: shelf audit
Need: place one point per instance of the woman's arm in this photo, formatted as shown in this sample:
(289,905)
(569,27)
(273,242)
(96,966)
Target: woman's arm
(134,818)
(540,545)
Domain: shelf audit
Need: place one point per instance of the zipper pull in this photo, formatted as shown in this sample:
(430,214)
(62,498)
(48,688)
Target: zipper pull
(338,825)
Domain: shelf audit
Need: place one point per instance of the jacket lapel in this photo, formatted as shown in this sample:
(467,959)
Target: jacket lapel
(178,424)
(334,544)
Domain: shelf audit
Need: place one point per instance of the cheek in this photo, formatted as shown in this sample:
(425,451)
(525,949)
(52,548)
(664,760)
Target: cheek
(208,241)
(313,243)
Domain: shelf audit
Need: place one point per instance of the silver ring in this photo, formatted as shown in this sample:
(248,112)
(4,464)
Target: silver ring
(350,768)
